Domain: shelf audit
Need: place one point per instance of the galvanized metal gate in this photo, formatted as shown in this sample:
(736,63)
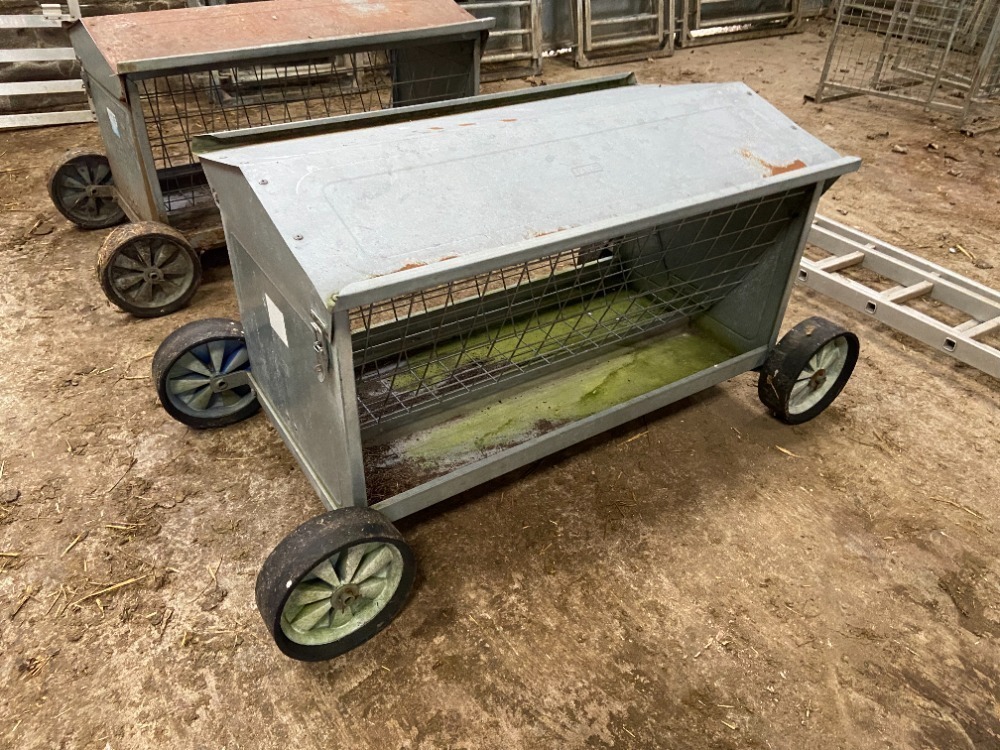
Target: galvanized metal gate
(19,93)
(622,30)
(943,54)
(710,21)
(514,47)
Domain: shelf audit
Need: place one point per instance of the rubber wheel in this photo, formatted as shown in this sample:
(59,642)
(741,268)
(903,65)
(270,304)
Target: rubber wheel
(807,370)
(190,370)
(333,583)
(72,181)
(148,269)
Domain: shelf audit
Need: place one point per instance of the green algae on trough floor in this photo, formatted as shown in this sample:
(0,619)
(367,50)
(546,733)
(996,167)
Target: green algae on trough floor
(628,372)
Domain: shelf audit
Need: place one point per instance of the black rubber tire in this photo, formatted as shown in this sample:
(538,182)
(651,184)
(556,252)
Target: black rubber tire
(301,551)
(125,240)
(790,358)
(179,343)
(112,213)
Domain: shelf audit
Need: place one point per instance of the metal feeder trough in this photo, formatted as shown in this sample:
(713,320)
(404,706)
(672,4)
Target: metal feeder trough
(157,79)
(428,305)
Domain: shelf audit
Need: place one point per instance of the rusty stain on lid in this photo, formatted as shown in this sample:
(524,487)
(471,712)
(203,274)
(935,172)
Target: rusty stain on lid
(412,265)
(773,169)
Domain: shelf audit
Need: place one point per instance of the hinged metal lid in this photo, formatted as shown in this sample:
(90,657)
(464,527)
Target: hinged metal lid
(374,212)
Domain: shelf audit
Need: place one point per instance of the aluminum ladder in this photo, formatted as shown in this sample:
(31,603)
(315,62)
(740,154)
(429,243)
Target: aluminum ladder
(914,278)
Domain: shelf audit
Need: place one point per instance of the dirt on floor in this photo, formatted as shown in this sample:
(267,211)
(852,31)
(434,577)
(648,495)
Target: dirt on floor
(704,578)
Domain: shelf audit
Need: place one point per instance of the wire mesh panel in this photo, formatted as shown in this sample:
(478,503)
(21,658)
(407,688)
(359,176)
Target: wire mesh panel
(187,104)
(939,53)
(459,339)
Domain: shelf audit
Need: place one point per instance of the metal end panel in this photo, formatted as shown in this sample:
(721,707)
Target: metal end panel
(378,212)
(158,40)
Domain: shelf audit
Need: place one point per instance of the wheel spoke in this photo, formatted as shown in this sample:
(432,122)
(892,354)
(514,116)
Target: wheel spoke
(239,358)
(101,174)
(310,615)
(79,200)
(350,561)
(123,261)
(155,247)
(217,353)
(66,179)
(144,253)
(192,364)
(326,573)
(144,293)
(228,398)
(304,594)
(188,384)
(167,255)
(125,281)
(798,391)
(371,588)
(200,399)
(177,267)
(831,354)
(373,563)
(84,173)
(341,617)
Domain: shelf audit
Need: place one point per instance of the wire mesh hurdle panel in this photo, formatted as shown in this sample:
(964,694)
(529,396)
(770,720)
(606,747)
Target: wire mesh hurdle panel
(942,54)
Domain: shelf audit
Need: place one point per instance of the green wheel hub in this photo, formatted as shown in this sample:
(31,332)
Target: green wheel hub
(818,376)
(342,593)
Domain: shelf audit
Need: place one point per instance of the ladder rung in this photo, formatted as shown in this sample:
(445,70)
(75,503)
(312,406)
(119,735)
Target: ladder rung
(840,262)
(977,329)
(901,294)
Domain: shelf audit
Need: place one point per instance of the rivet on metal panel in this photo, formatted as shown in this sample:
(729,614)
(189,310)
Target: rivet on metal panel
(263,182)
(296,236)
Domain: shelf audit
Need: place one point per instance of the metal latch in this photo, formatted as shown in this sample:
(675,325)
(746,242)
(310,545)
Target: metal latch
(321,348)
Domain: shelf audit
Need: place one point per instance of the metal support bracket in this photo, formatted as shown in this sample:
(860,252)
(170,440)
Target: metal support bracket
(321,348)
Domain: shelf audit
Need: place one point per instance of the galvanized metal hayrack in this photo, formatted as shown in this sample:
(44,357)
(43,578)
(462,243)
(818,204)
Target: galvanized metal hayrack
(943,54)
(158,79)
(605,262)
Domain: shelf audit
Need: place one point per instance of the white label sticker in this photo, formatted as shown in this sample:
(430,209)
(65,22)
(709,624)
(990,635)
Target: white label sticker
(277,320)
(114,122)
